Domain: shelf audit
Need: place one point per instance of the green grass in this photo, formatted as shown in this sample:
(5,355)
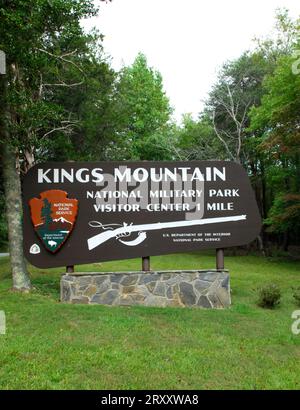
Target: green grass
(50,345)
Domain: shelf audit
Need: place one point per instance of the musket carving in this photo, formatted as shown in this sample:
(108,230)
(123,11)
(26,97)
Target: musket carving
(126,230)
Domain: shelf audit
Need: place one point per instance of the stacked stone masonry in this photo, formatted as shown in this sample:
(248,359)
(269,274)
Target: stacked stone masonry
(204,289)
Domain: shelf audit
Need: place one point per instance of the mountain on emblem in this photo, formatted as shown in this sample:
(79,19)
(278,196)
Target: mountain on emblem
(53,216)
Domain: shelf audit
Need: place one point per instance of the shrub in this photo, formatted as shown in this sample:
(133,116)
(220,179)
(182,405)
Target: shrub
(296,295)
(269,296)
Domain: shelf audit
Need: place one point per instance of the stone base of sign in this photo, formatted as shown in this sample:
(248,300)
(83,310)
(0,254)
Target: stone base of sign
(201,288)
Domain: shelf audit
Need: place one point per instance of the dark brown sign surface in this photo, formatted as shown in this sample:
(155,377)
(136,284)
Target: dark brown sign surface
(127,210)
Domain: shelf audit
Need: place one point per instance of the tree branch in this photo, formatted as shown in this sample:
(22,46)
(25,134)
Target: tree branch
(65,128)
(220,137)
(62,57)
(63,84)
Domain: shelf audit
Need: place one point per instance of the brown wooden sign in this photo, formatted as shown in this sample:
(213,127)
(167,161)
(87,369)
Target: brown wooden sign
(134,209)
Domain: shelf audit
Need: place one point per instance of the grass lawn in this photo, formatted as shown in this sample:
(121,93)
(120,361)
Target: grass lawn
(49,345)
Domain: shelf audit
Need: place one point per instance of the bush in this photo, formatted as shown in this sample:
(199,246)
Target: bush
(296,295)
(269,296)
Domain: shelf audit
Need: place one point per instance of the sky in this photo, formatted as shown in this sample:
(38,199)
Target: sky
(186,40)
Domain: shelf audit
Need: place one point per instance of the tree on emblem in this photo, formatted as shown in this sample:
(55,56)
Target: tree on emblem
(46,213)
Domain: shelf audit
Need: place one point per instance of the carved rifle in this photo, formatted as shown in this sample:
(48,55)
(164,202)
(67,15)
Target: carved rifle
(102,237)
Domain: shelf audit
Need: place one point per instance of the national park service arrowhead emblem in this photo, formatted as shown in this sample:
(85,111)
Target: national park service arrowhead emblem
(53,216)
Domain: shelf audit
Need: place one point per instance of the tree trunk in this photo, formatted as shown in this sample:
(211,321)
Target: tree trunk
(261,245)
(286,240)
(29,160)
(13,198)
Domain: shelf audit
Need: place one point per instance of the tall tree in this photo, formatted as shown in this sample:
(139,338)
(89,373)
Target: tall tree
(238,88)
(88,104)
(142,113)
(277,119)
(42,40)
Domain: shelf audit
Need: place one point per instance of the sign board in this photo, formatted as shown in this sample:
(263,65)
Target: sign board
(76,213)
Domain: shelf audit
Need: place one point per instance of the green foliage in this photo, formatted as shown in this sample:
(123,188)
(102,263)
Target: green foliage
(196,139)
(296,295)
(283,38)
(278,113)
(141,113)
(277,119)
(156,147)
(258,123)
(238,88)
(284,215)
(269,296)
(65,102)
(55,78)
(91,109)
(47,54)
